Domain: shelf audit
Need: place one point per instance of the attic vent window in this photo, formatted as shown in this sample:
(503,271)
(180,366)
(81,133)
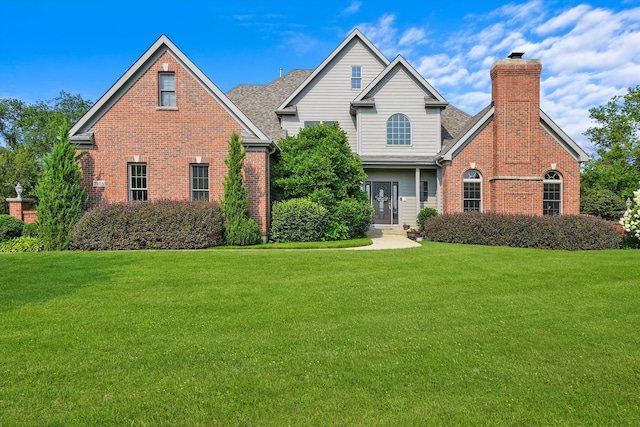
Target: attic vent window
(516,55)
(167,86)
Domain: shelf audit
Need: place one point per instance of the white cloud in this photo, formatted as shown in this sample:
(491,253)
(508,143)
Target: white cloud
(588,55)
(353,7)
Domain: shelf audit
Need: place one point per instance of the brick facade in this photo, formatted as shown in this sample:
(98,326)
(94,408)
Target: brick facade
(512,151)
(169,141)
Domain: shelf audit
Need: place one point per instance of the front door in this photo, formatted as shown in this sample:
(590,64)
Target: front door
(381,199)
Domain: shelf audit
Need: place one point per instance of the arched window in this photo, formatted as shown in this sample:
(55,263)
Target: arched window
(552,194)
(472,183)
(398,130)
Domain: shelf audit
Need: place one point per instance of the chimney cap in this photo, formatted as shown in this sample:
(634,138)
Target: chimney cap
(516,55)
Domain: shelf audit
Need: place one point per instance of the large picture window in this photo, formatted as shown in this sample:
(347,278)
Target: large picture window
(472,189)
(137,182)
(552,194)
(200,183)
(167,86)
(398,130)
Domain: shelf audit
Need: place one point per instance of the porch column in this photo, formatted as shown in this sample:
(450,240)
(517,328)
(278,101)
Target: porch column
(417,192)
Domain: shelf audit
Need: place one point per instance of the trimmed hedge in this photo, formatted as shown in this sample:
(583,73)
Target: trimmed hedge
(568,232)
(164,224)
(10,227)
(298,220)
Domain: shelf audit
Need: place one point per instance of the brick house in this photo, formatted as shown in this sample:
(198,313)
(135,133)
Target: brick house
(161,132)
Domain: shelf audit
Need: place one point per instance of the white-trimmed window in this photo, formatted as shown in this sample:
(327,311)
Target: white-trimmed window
(309,123)
(167,88)
(138,182)
(356,77)
(552,193)
(398,130)
(472,191)
(200,182)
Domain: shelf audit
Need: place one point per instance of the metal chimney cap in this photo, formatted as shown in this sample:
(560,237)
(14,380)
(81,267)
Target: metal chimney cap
(516,55)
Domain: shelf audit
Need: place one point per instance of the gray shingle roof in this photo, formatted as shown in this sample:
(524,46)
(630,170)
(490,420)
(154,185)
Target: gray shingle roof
(259,102)
(453,121)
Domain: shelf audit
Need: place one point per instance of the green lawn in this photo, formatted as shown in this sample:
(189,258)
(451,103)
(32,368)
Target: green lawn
(438,335)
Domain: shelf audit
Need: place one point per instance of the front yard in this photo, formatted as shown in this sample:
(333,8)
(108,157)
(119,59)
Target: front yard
(442,334)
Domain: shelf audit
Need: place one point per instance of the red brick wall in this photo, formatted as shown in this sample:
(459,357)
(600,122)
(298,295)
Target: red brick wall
(168,141)
(513,152)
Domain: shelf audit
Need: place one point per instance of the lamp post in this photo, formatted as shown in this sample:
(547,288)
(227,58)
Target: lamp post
(19,190)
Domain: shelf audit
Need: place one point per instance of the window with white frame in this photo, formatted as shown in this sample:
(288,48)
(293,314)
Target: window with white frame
(309,123)
(200,182)
(552,194)
(356,77)
(167,88)
(472,191)
(138,182)
(398,130)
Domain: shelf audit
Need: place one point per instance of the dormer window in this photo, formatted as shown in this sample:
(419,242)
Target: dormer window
(167,86)
(356,77)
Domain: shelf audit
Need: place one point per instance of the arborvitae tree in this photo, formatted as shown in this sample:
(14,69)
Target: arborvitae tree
(241,229)
(62,199)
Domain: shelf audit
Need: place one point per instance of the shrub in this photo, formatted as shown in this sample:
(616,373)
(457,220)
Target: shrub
(601,202)
(356,215)
(569,232)
(336,230)
(10,227)
(424,215)
(164,224)
(22,244)
(298,220)
(30,230)
(630,221)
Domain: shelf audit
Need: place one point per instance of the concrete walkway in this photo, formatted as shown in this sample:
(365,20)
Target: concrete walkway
(382,240)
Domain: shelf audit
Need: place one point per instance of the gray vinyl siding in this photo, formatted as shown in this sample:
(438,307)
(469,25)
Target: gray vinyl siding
(328,97)
(399,93)
(408,206)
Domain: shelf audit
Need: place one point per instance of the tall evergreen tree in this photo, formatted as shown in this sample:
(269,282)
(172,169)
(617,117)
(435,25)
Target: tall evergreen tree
(62,199)
(241,229)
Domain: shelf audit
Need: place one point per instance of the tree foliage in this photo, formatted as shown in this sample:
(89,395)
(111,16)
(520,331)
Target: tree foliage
(616,165)
(241,229)
(62,198)
(28,133)
(318,165)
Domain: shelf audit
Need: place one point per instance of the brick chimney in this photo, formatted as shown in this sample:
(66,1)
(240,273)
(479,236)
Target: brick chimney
(515,84)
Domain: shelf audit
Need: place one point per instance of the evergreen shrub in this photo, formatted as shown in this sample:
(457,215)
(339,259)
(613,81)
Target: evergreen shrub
(164,224)
(356,215)
(568,232)
(10,227)
(298,220)
(424,215)
(30,230)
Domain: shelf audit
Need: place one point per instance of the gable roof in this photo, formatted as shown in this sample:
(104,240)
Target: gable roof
(434,98)
(480,120)
(259,102)
(82,132)
(355,34)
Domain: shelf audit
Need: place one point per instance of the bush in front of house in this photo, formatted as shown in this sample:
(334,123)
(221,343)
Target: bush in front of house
(298,220)
(423,216)
(10,227)
(568,232)
(356,215)
(164,224)
(30,230)
(22,244)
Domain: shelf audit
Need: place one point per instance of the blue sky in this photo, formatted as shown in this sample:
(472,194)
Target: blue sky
(590,50)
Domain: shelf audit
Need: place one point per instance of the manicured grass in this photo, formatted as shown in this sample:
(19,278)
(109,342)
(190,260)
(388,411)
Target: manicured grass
(438,335)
